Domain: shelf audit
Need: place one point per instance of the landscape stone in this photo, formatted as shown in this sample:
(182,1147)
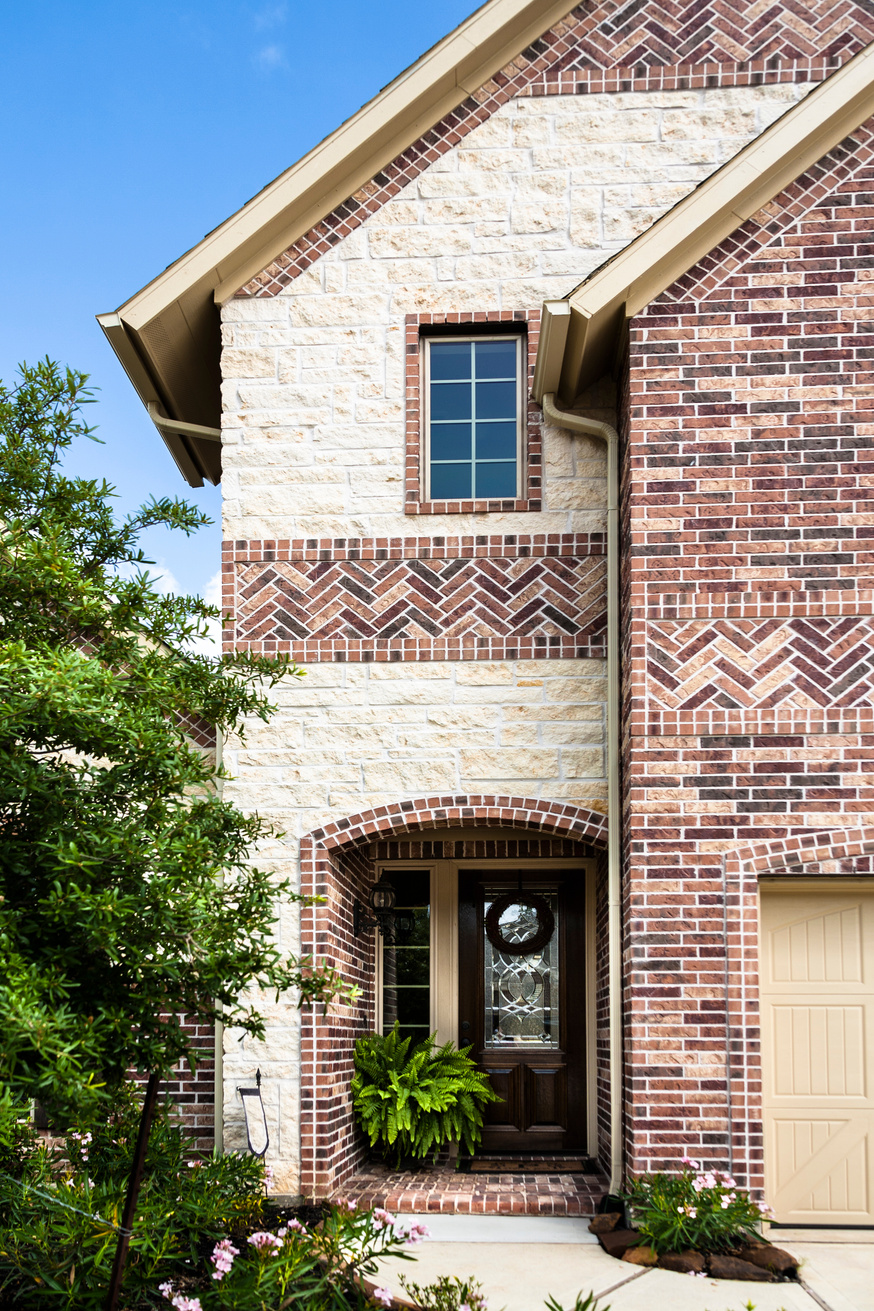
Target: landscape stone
(731,1267)
(682,1263)
(770,1258)
(641,1256)
(618,1242)
(603,1224)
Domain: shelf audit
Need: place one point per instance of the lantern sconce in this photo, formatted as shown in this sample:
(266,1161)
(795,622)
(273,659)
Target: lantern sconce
(384,916)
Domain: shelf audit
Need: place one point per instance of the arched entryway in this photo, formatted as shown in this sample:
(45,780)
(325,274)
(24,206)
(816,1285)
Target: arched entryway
(339,863)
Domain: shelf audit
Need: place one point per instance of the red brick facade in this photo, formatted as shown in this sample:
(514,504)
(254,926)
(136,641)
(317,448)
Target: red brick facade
(746,408)
(748,622)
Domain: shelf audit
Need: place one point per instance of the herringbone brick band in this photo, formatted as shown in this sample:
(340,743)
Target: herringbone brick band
(668,44)
(548,606)
(777,676)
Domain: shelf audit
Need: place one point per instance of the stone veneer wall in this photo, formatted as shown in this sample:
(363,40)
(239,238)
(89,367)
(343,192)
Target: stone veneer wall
(527,204)
(351,737)
(750,744)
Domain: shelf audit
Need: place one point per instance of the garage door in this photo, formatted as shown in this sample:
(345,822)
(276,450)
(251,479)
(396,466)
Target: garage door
(817,981)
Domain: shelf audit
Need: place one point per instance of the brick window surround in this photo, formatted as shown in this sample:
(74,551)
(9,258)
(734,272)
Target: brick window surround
(528,323)
(337,865)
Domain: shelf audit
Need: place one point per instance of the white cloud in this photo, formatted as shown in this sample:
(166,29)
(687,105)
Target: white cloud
(269,57)
(211,645)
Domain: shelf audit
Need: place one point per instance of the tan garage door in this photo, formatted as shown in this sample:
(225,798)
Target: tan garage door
(817,979)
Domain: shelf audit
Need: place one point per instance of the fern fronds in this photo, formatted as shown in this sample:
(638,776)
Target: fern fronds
(417,1101)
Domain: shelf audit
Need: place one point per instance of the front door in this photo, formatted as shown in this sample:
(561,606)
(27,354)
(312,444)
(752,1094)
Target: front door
(522,1004)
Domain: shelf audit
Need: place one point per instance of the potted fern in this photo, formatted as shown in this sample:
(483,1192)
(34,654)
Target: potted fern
(413,1105)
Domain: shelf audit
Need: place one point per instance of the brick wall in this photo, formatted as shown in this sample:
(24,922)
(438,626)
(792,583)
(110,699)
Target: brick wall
(748,621)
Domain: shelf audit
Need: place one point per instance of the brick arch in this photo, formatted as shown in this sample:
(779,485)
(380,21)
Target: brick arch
(835,845)
(459,811)
(336,866)
(830,852)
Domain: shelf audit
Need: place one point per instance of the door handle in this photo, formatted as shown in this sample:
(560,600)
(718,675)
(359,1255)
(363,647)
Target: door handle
(465,1026)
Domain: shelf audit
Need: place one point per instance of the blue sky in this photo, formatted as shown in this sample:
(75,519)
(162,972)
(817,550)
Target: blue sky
(129,131)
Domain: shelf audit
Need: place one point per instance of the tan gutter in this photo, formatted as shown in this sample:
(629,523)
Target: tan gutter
(167,335)
(601,306)
(605,433)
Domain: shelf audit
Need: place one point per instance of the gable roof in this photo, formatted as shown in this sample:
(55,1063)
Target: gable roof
(581,335)
(167,335)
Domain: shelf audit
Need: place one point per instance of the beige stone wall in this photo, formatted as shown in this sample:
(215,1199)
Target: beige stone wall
(352,736)
(523,209)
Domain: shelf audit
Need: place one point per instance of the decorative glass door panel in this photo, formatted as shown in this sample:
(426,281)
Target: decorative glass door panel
(520,989)
(522,1003)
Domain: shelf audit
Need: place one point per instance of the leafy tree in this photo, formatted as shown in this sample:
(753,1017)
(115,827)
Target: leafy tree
(127,896)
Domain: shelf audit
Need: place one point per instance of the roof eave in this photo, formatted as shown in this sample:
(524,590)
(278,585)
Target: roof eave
(162,334)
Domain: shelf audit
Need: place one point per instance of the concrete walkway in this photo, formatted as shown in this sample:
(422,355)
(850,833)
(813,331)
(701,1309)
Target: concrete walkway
(520,1261)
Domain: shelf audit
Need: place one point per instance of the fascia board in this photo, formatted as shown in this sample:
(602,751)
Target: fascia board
(371,138)
(129,358)
(699,222)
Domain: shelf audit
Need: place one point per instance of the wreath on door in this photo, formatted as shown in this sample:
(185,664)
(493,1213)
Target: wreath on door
(537,941)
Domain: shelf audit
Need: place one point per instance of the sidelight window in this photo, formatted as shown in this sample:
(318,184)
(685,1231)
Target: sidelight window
(406,966)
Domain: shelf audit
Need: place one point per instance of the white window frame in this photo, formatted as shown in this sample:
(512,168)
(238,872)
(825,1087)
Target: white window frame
(521,409)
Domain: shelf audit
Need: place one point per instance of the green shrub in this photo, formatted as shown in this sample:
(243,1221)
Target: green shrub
(317,1269)
(204,1236)
(446,1294)
(704,1210)
(59,1208)
(414,1106)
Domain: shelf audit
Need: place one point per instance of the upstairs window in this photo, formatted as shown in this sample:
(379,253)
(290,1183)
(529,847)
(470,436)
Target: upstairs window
(474,412)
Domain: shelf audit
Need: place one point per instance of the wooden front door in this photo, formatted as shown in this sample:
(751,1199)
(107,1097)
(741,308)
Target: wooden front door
(524,1012)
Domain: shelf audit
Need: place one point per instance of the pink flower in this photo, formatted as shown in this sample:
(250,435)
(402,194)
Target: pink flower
(166,1289)
(384,1218)
(186,1303)
(416,1233)
(382,1295)
(266,1243)
(223,1257)
(268,1176)
(687,1160)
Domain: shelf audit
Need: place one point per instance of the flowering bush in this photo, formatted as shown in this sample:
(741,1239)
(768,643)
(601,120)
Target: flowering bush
(318,1269)
(59,1207)
(446,1294)
(700,1209)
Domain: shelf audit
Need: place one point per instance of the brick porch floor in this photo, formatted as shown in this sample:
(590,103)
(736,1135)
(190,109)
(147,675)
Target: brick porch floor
(441,1188)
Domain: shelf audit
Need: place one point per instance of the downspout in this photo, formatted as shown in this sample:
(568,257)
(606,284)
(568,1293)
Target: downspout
(605,433)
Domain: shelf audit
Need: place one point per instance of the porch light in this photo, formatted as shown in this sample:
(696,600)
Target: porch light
(382,898)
